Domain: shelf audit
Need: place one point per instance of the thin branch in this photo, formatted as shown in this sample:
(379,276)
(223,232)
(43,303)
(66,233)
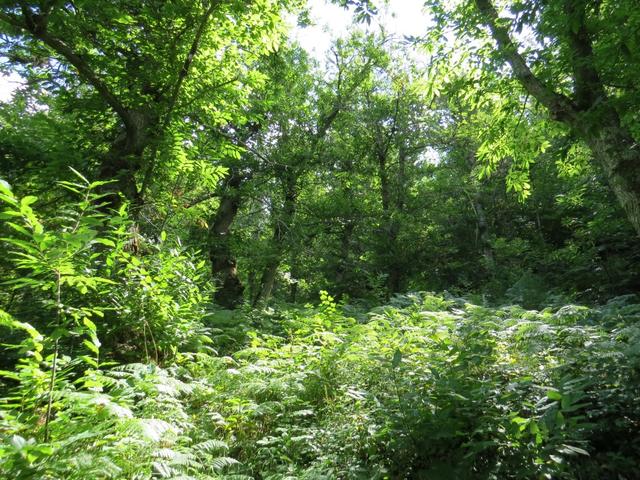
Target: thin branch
(524,107)
(588,86)
(186,66)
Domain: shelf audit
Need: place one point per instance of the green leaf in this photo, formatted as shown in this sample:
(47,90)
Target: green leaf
(91,346)
(554,395)
(104,241)
(79,175)
(25,202)
(397,358)
(89,324)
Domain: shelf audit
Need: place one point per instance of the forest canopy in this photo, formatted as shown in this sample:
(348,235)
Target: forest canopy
(410,256)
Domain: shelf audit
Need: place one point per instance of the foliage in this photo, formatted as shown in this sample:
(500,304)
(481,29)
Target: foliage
(159,308)
(432,388)
(63,415)
(154,320)
(128,422)
(426,387)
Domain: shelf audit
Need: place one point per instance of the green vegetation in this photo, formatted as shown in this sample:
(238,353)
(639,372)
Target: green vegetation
(219,256)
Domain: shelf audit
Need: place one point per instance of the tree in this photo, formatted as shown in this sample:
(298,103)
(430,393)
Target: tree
(580,68)
(301,135)
(149,64)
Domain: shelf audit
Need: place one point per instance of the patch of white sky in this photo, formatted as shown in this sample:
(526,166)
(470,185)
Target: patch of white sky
(398,18)
(8,84)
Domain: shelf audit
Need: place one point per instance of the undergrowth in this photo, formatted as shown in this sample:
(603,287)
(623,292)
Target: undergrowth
(435,389)
(431,388)
(116,370)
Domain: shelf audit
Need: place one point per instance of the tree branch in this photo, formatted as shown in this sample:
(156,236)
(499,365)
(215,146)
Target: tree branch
(173,99)
(36,26)
(11,20)
(560,106)
(89,75)
(188,61)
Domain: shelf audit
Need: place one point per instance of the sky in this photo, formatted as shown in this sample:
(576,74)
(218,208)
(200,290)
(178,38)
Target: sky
(401,17)
(8,83)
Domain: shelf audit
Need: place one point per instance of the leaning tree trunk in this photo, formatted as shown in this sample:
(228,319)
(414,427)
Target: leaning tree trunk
(619,156)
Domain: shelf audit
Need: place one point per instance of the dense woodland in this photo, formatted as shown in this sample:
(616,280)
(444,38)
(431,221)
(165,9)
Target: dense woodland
(225,259)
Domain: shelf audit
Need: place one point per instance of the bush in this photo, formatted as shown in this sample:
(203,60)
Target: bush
(64,414)
(434,389)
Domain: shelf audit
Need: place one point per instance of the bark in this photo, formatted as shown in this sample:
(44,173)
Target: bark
(280,234)
(599,124)
(396,268)
(619,156)
(124,159)
(591,114)
(483,232)
(223,263)
(561,107)
(267,281)
(253,284)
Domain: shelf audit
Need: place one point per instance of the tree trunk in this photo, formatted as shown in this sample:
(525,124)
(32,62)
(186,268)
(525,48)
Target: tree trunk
(483,232)
(267,280)
(396,268)
(484,238)
(619,155)
(124,159)
(229,288)
(282,223)
(391,206)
